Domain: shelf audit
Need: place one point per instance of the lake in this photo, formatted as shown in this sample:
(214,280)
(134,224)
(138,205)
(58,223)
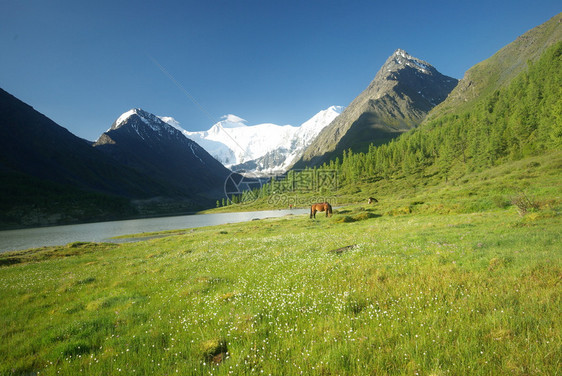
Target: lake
(12,240)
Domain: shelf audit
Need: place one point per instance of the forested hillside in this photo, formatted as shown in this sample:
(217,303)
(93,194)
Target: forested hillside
(523,119)
(501,68)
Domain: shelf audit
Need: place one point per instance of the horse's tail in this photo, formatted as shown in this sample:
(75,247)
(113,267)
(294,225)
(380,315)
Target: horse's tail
(311,210)
(328,209)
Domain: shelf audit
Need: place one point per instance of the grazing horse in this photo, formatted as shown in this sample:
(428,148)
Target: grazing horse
(320,207)
(371,200)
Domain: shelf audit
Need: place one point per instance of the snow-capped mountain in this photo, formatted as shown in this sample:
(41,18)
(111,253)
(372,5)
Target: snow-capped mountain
(262,148)
(144,142)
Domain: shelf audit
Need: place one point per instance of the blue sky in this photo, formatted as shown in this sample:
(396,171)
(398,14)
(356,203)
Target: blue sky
(83,63)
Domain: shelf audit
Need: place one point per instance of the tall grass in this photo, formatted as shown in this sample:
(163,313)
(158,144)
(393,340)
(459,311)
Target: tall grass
(426,294)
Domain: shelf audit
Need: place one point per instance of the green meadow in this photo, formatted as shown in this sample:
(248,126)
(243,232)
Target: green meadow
(456,279)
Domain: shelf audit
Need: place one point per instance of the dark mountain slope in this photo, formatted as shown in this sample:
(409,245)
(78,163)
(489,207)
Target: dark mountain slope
(33,145)
(49,176)
(145,143)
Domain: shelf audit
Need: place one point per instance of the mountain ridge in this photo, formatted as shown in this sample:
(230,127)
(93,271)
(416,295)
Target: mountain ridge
(50,176)
(262,148)
(38,156)
(496,71)
(35,145)
(398,98)
(144,142)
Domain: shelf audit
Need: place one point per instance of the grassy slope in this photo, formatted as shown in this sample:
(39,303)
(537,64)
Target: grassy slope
(473,291)
(463,192)
(498,70)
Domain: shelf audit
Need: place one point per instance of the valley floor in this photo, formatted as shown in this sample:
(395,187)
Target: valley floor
(364,292)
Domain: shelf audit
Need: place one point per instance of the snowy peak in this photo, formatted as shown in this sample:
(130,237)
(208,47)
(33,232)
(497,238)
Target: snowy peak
(170,121)
(123,118)
(146,117)
(234,143)
(157,133)
(321,119)
(227,122)
(263,148)
(144,124)
(153,146)
(400,59)
(232,121)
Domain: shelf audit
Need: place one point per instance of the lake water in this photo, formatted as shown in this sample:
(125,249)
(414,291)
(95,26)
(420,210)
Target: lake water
(11,240)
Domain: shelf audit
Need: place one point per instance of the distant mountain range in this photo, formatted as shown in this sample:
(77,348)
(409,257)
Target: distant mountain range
(262,148)
(149,165)
(402,93)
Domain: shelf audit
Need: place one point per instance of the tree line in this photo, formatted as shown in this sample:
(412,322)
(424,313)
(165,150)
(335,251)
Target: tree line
(520,120)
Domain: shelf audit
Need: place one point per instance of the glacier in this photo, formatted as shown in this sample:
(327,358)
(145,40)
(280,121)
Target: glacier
(262,148)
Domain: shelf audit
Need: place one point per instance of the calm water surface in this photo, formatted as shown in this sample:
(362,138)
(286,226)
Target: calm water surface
(12,240)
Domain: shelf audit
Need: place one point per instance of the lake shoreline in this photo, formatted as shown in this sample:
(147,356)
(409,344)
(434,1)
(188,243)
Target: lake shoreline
(106,231)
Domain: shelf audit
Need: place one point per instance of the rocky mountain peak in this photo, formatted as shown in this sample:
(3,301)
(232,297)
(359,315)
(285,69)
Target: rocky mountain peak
(142,123)
(403,91)
(146,143)
(401,59)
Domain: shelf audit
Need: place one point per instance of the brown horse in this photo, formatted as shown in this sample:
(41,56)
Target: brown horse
(320,207)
